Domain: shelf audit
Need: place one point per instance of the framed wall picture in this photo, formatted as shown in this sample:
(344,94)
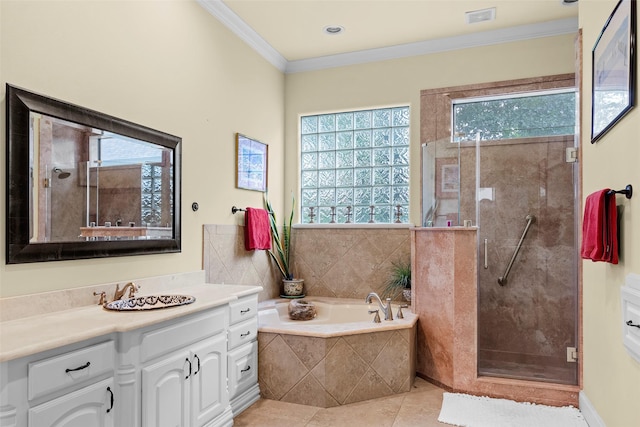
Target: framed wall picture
(614,63)
(447,178)
(251,163)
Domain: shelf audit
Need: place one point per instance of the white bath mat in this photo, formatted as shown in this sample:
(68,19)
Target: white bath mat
(465,410)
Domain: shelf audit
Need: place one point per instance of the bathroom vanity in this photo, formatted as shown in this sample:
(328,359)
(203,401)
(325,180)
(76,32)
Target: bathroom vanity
(193,365)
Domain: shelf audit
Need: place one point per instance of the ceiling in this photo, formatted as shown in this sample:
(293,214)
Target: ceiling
(289,33)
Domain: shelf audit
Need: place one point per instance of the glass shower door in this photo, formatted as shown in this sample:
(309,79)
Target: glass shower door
(527,320)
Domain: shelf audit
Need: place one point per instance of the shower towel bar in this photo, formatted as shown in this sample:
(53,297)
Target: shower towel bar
(503,280)
(628,191)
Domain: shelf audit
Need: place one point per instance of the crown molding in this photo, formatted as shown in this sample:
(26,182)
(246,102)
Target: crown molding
(506,35)
(524,32)
(240,28)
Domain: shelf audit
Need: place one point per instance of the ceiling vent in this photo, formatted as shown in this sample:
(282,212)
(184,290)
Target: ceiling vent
(480,15)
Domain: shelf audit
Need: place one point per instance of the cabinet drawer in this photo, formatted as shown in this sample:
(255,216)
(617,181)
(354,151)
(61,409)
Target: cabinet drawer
(68,369)
(243,309)
(182,333)
(243,368)
(242,333)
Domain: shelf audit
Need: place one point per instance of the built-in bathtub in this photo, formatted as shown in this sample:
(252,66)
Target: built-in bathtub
(339,357)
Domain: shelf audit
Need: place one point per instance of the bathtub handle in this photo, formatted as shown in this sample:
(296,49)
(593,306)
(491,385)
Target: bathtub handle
(376,318)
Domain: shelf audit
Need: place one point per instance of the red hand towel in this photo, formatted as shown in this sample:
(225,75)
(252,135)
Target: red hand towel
(600,228)
(257,232)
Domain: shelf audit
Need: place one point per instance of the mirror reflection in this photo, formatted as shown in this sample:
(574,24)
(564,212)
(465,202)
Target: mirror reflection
(94,184)
(84,184)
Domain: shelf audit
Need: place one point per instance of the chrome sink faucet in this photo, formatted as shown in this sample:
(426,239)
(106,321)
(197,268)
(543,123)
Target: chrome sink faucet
(386,308)
(131,287)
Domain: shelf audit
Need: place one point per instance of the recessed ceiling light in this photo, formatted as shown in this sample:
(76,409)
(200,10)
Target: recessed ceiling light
(333,29)
(568,2)
(482,15)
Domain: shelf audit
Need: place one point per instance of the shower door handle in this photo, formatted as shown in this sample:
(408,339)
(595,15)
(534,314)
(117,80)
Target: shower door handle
(486,255)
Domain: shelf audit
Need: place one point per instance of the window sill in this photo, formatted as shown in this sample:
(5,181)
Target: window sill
(353,225)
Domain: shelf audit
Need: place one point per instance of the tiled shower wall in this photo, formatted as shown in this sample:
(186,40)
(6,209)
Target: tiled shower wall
(335,262)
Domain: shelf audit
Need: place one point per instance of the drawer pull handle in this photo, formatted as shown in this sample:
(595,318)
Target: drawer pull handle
(245,311)
(198,368)
(246,369)
(110,392)
(246,334)
(630,323)
(79,368)
(189,374)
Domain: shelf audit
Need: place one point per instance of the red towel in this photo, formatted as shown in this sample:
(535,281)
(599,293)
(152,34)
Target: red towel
(257,232)
(600,228)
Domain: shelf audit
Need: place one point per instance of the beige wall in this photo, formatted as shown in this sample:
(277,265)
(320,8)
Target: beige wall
(399,81)
(611,376)
(168,65)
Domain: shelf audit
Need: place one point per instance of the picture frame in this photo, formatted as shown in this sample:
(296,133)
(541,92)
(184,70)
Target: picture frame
(251,163)
(614,70)
(447,178)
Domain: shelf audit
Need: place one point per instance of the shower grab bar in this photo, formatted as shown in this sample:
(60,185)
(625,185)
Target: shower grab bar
(486,256)
(503,280)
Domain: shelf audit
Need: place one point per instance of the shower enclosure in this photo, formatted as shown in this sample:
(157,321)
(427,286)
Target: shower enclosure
(521,193)
(527,314)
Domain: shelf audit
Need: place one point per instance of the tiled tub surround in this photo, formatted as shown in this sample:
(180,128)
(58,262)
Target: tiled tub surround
(348,260)
(227,261)
(446,301)
(327,365)
(343,260)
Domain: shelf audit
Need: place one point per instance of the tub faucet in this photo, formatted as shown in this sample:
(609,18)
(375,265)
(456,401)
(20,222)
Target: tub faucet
(386,309)
(131,287)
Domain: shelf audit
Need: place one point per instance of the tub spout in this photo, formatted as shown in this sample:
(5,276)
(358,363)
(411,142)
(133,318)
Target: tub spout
(386,308)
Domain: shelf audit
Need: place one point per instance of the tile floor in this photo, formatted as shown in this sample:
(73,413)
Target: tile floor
(418,408)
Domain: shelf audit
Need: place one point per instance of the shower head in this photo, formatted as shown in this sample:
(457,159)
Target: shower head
(61,174)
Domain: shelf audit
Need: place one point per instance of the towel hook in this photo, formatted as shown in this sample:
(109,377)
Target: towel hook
(628,191)
(235,209)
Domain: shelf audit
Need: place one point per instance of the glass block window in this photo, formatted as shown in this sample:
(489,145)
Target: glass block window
(355,166)
(152,194)
(515,116)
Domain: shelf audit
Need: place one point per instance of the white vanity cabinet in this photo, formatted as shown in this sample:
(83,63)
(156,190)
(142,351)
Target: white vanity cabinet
(183,372)
(173,367)
(243,353)
(68,387)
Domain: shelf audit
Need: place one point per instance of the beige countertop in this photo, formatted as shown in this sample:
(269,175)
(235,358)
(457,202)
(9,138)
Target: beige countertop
(30,335)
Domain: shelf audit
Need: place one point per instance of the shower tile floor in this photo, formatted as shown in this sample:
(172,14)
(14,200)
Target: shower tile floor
(418,408)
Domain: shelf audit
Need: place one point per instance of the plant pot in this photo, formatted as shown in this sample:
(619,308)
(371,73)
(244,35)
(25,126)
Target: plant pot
(406,293)
(293,287)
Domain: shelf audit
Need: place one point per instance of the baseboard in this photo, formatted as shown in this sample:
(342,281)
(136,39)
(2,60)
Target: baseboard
(245,399)
(589,412)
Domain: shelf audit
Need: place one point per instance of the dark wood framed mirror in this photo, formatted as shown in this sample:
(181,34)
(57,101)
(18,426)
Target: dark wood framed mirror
(83,184)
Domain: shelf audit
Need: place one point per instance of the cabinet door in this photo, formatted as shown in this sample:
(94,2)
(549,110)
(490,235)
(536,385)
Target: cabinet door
(209,396)
(86,407)
(165,392)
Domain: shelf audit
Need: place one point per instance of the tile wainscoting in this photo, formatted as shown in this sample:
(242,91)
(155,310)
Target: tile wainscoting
(340,261)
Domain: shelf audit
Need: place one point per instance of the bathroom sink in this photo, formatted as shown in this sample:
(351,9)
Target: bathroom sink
(149,302)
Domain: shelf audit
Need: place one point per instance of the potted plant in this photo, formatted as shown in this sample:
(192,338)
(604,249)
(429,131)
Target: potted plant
(280,251)
(399,281)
